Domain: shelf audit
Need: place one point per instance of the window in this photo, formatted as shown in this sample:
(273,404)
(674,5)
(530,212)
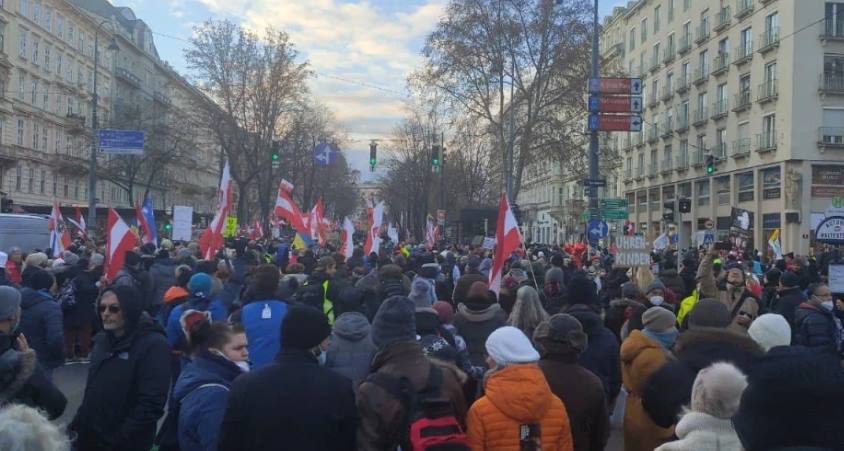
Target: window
(669,82)
(746,42)
(772,23)
(685,190)
(720,150)
(59,28)
(58,104)
(655,56)
(703,62)
(654,162)
(643,31)
(744,85)
(36,12)
(48,18)
(69,104)
(82,42)
(23,7)
(683,113)
(701,105)
(46,98)
(22,44)
(42,183)
(770,183)
(36,135)
(656,19)
(770,72)
(745,186)
(44,139)
(21,125)
(724,47)
(69,71)
(671,48)
(702,188)
(58,136)
(629,173)
(834,25)
(687,33)
(670,11)
(684,153)
(721,92)
(653,195)
(55,185)
(65,186)
(21,84)
(742,144)
(70,32)
(704,23)
(30,180)
(34,94)
(769,132)
(667,157)
(47,58)
(686,73)
(18,177)
(59,64)
(633,39)
(833,126)
(35,44)
(686,5)
(641,168)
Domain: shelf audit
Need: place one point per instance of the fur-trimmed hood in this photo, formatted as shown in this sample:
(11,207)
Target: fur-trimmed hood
(15,370)
(459,374)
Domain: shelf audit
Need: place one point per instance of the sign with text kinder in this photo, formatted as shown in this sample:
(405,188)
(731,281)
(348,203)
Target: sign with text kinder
(633,252)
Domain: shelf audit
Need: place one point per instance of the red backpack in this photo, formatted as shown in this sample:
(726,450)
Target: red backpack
(430,420)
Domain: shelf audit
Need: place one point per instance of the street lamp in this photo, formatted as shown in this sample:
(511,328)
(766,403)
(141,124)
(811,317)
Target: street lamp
(92,169)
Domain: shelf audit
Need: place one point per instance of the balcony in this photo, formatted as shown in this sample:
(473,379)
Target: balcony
(685,44)
(768,92)
(128,77)
(654,65)
(722,64)
(766,142)
(702,33)
(699,157)
(682,162)
(741,148)
(667,127)
(8,154)
(68,164)
(653,134)
(640,173)
(667,165)
(701,75)
(719,151)
(653,170)
(832,84)
(682,124)
(628,175)
(683,85)
(743,8)
(700,117)
(162,98)
(744,54)
(831,138)
(770,40)
(666,93)
(742,102)
(668,53)
(832,31)
(653,100)
(720,109)
(74,124)
(722,21)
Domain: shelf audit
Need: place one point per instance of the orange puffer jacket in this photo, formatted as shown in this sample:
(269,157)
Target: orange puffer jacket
(517,395)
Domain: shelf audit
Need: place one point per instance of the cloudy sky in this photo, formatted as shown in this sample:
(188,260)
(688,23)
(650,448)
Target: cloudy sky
(362,51)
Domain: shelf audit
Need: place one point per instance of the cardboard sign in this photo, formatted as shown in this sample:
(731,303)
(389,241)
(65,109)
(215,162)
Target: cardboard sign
(836,278)
(489,243)
(632,252)
(182,220)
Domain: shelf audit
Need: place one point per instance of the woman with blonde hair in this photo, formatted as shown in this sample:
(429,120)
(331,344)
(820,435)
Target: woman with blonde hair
(23,428)
(528,311)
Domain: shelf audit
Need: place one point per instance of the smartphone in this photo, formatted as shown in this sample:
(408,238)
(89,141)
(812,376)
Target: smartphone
(722,246)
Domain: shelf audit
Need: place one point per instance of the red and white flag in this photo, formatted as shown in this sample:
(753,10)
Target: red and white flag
(373,238)
(508,238)
(317,222)
(212,238)
(257,231)
(59,236)
(347,236)
(79,223)
(286,208)
(119,240)
(431,233)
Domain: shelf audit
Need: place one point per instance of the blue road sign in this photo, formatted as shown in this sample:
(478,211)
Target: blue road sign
(325,154)
(121,142)
(597,229)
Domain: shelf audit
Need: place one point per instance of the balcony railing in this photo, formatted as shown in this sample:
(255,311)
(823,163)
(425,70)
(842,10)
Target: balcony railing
(719,151)
(744,53)
(668,53)
(628,174)
(685,44)
(766,142)
(741,148)
(667,165)
(640,172)
(832,84)
(702,33)
(682,162)
(74,123)
(653,170)
(682,123)
(742,101)
(770,40)
(683,85)
(720,109)
(653,134)
(743,8)
(701,74)
(8,154)
(831,137)
(699,157)
(653,100)
(666,93)
(723,20)
(832,30)
(721,63)
(700,117)
(667,127)
(768,91)
(128,76)
(654,66)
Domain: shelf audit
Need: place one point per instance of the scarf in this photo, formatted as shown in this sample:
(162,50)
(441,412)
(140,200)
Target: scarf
(666,339)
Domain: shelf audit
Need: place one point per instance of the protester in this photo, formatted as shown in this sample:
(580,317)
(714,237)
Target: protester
(817,323)
(743,307)
(469,277)
(475,320)
(162,276)
(22,380)
(559,340)
(519,407)
(128,379)
(527,312)
(601,357)
(790,297)
(351,349)
(262,316)
(23,428)
(199,299)
(41,320)
(321,289)
(660,326)
(293,400)
(14,265)
(770,331)
(79,315)
(134,275)
(554,290)
(620,311)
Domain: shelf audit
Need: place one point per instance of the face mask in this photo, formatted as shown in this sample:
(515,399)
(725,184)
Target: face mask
(244,366)
(657,300)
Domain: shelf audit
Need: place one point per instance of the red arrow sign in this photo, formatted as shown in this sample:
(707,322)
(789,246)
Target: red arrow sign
(618,104)
(615,85)
(619,123)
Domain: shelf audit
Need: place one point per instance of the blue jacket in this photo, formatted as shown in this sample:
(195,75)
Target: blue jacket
(42,323)
(175,336)
(262,321)
(602,354)
(202,391)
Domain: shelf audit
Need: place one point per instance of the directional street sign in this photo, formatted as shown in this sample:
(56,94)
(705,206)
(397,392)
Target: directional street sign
(597,229)
(613,203)
(631,86)
(615,104)
(614,214)
(615,123)
(121,142)
(325,154)
(596,183)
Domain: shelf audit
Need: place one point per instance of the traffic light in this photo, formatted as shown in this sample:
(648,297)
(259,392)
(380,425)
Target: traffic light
(685,205)
(435,156)
(668,215)
(275,155)
(373,155)
(168,227)
(710,164)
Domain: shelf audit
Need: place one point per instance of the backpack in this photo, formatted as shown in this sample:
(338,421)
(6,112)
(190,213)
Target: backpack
(167,438)
(67,294)
(430,423)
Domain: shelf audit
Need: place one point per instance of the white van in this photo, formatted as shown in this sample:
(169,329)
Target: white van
(27,232)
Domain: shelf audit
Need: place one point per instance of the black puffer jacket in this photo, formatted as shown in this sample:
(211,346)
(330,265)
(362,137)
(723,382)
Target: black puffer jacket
(127,384)
(23,382)
(475,325)
(816,328)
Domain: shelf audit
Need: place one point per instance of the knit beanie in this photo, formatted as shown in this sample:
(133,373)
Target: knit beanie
(70,258)
(770,330)
(422,293)
(10,301)
(655,285)
(709,313)
(394,322)
(266,278)
(658,319)
(445,312)
(789,279)
(581,290)
(629,290)
(41,280)
(508,345)
(436,347)
(200,283)
(303,328)
(717,390)
(773,276)
(429,270)
(562,329)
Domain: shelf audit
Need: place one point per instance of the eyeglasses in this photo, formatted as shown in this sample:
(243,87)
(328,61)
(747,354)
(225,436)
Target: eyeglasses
(112,308)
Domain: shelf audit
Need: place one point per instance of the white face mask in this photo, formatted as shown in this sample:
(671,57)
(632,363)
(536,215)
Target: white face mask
(827,305)
(656,300)
(244,366)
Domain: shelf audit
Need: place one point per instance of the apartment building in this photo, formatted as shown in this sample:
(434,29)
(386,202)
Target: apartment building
(759,85)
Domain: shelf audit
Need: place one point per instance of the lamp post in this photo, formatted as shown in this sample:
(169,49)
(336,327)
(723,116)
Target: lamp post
(92,163)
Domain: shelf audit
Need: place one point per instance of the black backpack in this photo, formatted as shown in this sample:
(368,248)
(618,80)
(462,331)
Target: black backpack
(430,422)
(67,294)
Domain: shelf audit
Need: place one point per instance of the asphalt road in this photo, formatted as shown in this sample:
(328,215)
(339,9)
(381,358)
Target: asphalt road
(70,379)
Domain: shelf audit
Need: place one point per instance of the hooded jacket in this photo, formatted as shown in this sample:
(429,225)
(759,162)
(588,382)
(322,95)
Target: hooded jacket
(517,395)
(262,320)
(738,301)
(175,335)
(127,384)
(42,325)
(601,356)
(202,392)
(23,382)
(461,288)
(787,303)
(672,280)
(817,328)
(640,357)
(351,350)
(162,276)
(475,326)
(86,293)
(698,431)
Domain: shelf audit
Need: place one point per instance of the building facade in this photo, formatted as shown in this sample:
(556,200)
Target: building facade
(756,84)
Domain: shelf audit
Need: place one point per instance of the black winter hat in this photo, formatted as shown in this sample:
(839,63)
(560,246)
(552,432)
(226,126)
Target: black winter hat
(395,321)
(304,328)
(773,276)
(789,279)
(709,313)
(581,290)
(41,280)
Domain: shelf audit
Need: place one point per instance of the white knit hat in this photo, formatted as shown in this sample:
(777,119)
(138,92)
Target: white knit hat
(508,345)
(717,390)
(770,330)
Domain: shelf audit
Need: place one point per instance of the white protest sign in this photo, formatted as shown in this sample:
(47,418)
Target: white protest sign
(489,243)
(633,252)
(836,278)
(182,219)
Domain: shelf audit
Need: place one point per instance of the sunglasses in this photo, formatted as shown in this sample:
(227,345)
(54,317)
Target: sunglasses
(113,308)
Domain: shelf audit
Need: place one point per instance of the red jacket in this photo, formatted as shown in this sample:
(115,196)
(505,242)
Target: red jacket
(13,273)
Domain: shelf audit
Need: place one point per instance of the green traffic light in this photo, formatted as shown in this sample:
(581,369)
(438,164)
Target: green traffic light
(710,169)
(372,161)
(275,157)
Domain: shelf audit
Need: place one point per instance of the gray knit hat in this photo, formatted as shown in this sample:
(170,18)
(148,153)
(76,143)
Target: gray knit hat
(10,302)
(394,322)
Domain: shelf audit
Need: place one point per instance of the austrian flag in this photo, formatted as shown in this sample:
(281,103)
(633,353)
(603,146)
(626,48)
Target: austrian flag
(119,240)
(508,238)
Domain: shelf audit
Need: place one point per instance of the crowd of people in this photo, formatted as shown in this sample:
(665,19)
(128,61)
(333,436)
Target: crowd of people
(265,347)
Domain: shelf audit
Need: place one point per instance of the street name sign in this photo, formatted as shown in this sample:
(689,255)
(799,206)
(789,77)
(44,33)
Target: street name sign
(120,142)
(595,183)
(613,203)
(608,85)
(615,122)
(615,104)
(614,214)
